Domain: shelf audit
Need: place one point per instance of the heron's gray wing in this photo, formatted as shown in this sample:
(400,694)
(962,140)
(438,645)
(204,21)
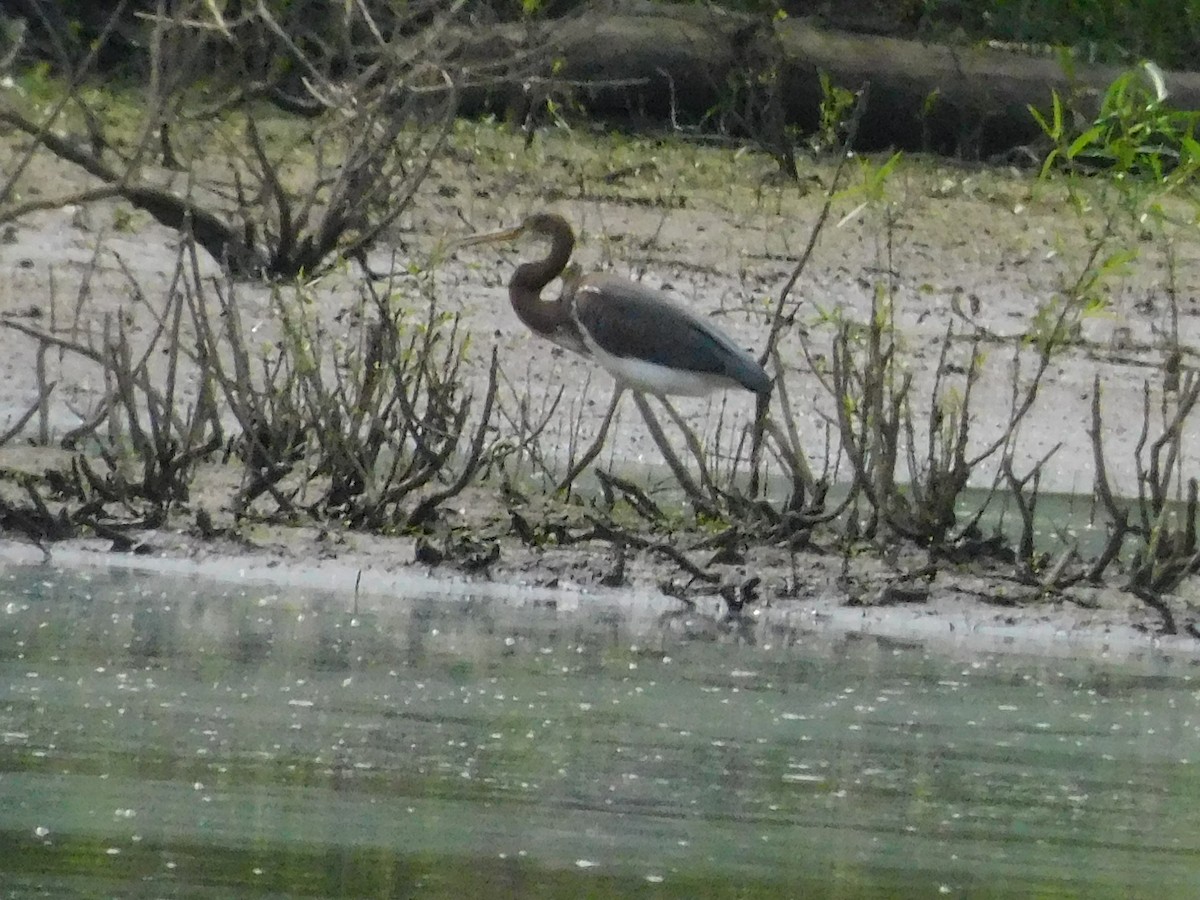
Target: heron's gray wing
(567,336)
(633,321)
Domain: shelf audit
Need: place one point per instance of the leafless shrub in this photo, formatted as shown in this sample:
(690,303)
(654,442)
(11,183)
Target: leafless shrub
(1162,521)
(256,200)
(373,429)
(1024,491)
(524,453)
(872,389)
(915,490)
(154,438)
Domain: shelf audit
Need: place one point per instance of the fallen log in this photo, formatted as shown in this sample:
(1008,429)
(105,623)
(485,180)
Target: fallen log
(686,66)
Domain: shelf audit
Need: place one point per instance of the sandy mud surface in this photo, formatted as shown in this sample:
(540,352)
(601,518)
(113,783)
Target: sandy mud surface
(979,250)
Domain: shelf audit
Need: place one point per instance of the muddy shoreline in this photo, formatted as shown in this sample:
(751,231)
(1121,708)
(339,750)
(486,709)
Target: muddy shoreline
(366,572)
(711,226)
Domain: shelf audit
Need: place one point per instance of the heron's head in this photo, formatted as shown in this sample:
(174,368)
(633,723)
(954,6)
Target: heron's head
(542,224)
(546,224)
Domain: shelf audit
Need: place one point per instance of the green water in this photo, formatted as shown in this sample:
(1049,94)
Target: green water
(168,737)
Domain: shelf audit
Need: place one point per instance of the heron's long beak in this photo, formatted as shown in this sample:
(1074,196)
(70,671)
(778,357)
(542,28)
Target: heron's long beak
(492,237)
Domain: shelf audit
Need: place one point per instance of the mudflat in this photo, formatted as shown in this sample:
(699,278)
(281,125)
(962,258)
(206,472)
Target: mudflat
(970,257)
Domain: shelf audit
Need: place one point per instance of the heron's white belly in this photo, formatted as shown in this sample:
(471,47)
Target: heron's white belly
(640,375)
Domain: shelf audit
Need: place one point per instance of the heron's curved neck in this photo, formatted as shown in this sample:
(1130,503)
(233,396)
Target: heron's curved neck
(525,288)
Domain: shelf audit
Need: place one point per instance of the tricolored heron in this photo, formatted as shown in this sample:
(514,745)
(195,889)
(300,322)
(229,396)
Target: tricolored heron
(647,341)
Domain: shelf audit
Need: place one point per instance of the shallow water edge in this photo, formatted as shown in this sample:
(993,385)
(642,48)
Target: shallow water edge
(367,579)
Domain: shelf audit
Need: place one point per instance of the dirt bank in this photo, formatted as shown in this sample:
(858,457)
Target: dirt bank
(982,249)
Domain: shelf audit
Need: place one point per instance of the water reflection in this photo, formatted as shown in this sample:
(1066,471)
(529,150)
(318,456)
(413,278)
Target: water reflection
(170,735)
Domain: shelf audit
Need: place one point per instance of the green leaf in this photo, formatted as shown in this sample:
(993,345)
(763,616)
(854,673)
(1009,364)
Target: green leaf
(1085,140)
(1189,150)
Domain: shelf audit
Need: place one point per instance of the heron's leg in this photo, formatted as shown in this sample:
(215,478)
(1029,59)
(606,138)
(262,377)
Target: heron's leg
(762,405)
(677,468)
(593,451)
(757,432)
(693,443)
